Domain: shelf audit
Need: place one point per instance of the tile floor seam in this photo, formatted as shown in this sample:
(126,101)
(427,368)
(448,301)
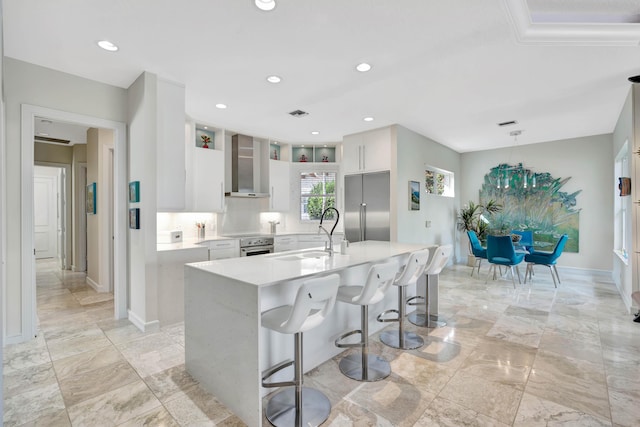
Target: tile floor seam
(605,373)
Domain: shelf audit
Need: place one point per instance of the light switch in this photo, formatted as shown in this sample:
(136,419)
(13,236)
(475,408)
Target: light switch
(427,224)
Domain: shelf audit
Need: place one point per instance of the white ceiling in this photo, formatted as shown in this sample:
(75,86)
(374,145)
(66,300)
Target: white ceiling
(449,70)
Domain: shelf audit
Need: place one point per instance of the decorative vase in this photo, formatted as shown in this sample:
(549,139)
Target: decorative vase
(205,145)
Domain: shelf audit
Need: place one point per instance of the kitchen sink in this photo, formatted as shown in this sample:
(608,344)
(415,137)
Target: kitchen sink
(314,254)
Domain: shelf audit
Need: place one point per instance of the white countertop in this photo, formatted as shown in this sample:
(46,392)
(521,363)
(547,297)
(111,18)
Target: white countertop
(264,270)
(191,243)
(194,243)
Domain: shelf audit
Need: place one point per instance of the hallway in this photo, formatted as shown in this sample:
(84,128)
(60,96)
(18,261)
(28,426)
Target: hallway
(525,357)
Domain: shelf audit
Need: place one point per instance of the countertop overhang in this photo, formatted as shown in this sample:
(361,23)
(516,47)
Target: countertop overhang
(265,270)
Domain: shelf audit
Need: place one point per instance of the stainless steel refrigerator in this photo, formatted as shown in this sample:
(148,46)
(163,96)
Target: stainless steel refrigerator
(367,203)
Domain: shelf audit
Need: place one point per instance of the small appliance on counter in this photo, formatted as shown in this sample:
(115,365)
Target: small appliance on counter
(170,236)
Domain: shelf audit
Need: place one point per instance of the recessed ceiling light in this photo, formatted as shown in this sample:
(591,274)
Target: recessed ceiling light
(274,79)
(315,132)
(107,45)
(46,121)
(206,127)
(363,67)
(265,4)
(221,106)
(368,119)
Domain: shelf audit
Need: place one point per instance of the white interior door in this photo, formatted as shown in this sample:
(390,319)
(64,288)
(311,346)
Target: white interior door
(45,214)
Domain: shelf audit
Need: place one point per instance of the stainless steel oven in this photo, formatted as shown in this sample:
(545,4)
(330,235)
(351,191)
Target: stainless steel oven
(251,246)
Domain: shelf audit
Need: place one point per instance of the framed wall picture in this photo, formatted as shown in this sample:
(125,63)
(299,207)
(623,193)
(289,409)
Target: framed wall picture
(134,218)
(134,192)
(414,195)
(91,199)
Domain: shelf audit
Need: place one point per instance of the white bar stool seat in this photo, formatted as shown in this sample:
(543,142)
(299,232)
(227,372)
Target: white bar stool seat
(365,366)
(430,317)
(412,270)
(299,406)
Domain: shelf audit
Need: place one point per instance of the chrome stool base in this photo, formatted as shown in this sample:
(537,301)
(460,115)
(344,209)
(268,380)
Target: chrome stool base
(402,340)
(425,320)
(281,409)
(376,368)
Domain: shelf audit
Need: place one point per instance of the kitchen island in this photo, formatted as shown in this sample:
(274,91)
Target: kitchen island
(226,349)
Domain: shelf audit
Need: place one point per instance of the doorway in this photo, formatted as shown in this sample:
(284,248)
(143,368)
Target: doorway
(117,211)
(52,215)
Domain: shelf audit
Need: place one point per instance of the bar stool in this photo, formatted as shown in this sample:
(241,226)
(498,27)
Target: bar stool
(365,366)
(300,406)
(400,338)
(430,318)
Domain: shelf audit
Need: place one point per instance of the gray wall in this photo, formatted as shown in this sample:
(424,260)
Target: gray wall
(589,163)
(414,152)
(26,83)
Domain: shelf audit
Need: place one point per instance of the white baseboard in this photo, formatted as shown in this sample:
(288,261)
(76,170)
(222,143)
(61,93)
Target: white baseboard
(76,269)
(96,287)
(142,325)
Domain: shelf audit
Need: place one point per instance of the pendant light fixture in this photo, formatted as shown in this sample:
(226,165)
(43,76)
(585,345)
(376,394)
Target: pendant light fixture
(517,176)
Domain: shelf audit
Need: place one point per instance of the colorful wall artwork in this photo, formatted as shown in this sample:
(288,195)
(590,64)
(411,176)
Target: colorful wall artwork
(532,201)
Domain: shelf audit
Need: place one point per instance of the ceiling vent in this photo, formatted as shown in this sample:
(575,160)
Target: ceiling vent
(39,138)
(299,113)
(509,123)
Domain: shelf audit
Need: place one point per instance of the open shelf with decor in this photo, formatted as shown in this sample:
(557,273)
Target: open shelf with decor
(208,137)
(313,153)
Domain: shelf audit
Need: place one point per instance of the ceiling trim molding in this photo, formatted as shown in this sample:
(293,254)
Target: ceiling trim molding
(585,34)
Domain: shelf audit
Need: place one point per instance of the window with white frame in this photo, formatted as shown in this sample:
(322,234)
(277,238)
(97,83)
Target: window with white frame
(621,203)
(438,181)
(317,193)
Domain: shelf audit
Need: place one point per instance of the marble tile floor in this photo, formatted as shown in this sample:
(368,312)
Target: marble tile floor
(533,356)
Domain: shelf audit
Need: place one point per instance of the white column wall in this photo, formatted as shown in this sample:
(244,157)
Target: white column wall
(143,127)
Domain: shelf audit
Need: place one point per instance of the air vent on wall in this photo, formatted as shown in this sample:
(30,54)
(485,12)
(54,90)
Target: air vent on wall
(509,123)
(299,113)
(38,138)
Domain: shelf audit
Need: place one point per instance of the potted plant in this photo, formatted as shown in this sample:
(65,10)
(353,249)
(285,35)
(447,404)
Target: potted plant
(205,141)
(472,218)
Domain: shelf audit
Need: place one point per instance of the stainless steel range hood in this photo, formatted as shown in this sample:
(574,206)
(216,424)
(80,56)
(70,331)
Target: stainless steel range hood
(242,168)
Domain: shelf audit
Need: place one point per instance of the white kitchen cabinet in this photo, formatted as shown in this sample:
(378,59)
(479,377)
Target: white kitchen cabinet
(306,241)
(208,180)
(205,172)
(221,249)
(285,243)
(367,151)
(279,186)
(170,153)
(171,282)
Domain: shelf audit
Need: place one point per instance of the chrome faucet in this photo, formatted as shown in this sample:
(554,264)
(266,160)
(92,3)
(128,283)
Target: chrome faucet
(328,247)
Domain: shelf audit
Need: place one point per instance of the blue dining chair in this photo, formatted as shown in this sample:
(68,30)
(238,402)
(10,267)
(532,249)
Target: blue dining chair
(477,250)
(547,259)
(500,251)
(526,238)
